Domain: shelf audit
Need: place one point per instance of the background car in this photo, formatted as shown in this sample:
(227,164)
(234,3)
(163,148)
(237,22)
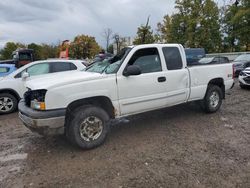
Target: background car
(12,87)
(244,78)
(6,69)
(213,60)
(100,57)
(240,63)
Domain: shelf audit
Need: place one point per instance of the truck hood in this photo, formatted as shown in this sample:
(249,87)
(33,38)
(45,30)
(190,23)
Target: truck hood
(60,79)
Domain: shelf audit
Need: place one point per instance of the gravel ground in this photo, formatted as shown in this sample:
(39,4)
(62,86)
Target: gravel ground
(173,147)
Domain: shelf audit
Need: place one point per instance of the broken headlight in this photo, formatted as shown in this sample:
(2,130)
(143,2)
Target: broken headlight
(35,99)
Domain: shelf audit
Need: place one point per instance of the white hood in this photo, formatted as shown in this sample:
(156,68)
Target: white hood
(59,79)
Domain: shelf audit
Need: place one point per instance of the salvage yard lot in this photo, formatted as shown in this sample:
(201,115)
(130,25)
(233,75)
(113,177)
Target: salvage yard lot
(174,147)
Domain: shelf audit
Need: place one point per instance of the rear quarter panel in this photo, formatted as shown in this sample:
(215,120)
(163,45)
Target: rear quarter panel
(201,75)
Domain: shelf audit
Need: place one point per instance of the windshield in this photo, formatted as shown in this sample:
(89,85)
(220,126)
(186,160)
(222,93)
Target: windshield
(109,66)
(206,60)
(244,57)
(24,56)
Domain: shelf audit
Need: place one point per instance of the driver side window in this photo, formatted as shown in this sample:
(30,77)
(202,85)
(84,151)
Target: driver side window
(147,59)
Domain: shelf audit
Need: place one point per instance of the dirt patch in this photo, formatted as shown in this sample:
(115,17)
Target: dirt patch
(174,147)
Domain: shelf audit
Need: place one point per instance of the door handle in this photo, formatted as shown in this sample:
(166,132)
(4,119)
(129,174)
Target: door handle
(161,79)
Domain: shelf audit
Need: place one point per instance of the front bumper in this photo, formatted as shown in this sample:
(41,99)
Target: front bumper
(43,122)
(244,80)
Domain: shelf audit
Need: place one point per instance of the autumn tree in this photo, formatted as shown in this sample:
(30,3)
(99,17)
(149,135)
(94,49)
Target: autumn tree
(83,46)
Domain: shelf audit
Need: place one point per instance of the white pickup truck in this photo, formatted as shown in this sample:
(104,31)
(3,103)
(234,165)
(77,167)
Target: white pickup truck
(139,79)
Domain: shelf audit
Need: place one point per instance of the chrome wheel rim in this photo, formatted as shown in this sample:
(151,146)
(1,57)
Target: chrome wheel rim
(6,104)
(214,99)
(91,128)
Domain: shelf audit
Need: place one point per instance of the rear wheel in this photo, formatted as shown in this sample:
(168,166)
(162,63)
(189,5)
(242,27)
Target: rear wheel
(8,103)
(88,127)
(213,99)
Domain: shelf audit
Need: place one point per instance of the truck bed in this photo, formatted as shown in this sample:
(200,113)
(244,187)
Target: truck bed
(201,74)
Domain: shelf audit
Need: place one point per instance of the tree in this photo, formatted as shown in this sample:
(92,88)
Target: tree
(6,52)
(37,50)
(196,24)
(49,51)
(236,26)
(144,34)
(83,46)
(110,49)
(107,35)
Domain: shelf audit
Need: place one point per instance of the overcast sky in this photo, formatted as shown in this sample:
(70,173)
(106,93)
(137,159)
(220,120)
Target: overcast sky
(50,21)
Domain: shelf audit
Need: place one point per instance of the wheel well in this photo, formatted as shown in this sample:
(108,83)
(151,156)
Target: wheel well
(218,82)
(12,92)
(100,101)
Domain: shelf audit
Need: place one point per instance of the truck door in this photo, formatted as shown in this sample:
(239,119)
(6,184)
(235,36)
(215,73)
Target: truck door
(146,91)
(177,76)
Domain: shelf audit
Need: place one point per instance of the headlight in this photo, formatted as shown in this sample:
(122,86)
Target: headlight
(35,99)
(37,105)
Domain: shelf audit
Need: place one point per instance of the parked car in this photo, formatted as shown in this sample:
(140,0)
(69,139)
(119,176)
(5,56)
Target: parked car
(6,69)
(240,63)
(100,57)
(244,78)
(139,79)
(12,87)
(213,60)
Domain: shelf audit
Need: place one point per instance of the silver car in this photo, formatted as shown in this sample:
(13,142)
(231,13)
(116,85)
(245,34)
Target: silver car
(244,78)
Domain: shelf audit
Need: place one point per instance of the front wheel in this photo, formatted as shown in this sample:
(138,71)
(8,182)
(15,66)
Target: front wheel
(8,103)
(213,99)
(243,86)
(88,127)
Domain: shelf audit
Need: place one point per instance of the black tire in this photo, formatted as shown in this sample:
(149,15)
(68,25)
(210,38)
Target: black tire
(77,119)
(7,109)
(208,104)
(243,86)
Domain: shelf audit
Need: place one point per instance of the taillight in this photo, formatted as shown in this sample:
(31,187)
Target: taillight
(233,71)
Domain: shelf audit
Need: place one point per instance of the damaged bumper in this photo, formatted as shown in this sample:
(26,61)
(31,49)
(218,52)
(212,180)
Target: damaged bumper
(43,122)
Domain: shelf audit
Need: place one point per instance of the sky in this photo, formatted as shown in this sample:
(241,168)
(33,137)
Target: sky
(51,21)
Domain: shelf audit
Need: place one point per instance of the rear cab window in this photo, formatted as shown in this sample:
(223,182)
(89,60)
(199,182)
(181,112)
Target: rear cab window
(172,58)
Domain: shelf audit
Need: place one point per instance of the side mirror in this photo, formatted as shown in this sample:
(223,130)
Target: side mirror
(132,70)
(25,75)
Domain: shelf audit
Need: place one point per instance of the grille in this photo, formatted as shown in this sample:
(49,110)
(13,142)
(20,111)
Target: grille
(247,79)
